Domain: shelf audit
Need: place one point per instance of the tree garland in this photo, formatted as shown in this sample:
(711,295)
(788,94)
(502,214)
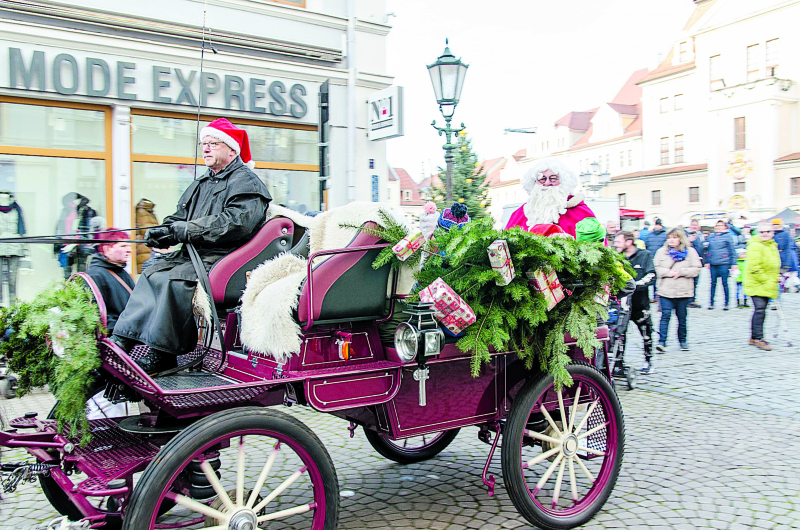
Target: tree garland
(68,309)
(514,317)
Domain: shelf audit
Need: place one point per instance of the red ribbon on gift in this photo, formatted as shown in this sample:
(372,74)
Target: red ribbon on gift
(506,264)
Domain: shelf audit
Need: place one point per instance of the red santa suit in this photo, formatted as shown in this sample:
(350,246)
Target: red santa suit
(576,212)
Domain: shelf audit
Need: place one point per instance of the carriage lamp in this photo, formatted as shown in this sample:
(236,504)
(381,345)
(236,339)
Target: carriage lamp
(419,338)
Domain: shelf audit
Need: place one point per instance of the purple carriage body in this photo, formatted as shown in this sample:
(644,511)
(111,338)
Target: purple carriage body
(562,450)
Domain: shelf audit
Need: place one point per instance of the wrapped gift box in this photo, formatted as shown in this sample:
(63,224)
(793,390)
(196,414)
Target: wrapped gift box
(451,309)
(408,245)
(500,258)
(547,284)
(602,298)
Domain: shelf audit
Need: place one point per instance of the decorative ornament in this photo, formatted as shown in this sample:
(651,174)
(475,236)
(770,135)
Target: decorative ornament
(548,285)
(428,220)
(500,258)
(468,181)
(408,245)
(451,309)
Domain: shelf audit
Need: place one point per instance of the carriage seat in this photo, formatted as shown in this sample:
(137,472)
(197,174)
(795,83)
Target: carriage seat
(228,276)
(345,287)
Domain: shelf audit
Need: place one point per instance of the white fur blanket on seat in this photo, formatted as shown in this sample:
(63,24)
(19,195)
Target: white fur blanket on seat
(272,292)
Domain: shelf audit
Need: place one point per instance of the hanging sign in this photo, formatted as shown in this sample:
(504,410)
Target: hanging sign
(385,113)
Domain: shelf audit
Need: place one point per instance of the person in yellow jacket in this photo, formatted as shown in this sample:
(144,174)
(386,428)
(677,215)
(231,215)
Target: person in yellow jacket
(761,279)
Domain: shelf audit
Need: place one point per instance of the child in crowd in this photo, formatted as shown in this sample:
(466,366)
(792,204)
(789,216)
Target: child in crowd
(741,265)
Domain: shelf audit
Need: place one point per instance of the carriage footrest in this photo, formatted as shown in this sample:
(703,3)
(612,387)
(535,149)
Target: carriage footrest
(27,422)
(98,487)
(190,380)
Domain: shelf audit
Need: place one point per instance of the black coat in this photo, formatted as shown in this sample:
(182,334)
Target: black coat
(642,263)
(114,294)
(224,211)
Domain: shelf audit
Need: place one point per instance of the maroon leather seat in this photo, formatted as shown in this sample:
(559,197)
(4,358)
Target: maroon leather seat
(228,276)
(345,287)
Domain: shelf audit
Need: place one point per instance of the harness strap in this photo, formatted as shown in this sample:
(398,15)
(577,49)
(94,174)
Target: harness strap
(121,281)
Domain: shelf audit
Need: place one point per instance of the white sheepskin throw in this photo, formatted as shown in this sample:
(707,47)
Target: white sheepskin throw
(271,295)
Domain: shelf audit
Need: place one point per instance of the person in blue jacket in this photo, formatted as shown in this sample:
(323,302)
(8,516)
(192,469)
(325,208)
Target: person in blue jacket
(786,247)
(697,239)
(654,241)
(720,257)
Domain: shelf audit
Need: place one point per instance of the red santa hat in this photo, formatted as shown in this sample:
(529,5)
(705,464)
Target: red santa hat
(550,230)
(232,136)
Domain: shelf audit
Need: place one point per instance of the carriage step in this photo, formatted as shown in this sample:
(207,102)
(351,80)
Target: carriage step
(102,487)
(190,380)
(29,421)
(348,369)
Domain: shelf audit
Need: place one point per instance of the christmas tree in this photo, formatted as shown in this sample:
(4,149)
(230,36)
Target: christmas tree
(468,181)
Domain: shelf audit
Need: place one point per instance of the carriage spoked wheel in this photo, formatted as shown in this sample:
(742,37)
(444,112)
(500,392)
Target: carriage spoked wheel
(562,451)
(413,449)
(265,468)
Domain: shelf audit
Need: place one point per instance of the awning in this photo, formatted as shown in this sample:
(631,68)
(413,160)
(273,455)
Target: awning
(633,214)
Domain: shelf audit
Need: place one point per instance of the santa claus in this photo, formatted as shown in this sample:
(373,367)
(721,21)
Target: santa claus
(550,185)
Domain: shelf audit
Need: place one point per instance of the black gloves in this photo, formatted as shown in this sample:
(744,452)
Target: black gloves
(159,238)
(180,231)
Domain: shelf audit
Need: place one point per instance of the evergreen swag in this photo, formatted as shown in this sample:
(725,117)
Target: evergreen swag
(515,316)
(32,359)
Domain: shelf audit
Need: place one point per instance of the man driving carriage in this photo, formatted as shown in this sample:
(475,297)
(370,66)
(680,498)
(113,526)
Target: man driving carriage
(217,213)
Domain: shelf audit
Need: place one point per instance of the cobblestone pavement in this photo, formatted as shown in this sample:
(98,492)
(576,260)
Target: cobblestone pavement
(712,442)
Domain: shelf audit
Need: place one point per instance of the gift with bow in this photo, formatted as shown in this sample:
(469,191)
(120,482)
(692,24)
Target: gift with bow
(451,310)
(548,284)
(500,258)
(408,245)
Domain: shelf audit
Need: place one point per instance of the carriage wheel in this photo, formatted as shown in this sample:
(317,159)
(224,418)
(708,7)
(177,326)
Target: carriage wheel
(263,466)
(411,450)
(562,451)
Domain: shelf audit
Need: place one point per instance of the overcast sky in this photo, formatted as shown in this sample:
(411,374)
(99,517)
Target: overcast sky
(530,62)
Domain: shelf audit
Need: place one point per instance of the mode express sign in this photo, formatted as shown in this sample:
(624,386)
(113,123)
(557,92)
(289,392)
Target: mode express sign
(44,70)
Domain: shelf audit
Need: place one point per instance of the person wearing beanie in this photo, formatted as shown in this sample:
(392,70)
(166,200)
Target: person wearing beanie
(456,216)
(218,213)
(592,230)
(107,269)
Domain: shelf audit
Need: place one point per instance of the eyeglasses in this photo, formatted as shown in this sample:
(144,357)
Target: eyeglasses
(765,231)
(210,145)
(554,179)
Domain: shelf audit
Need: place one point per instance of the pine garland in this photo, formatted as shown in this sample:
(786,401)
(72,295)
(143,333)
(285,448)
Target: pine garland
(514,317)
(31,357)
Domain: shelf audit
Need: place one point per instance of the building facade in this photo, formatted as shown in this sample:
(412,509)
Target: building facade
(99,104)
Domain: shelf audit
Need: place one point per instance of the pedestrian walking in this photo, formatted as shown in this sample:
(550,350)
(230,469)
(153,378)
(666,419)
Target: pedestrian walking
(677,264)
(741,267)
(654,241)
(720,257)
(787,250)
(697,239)
(645,232)
(642,264)
(761,280)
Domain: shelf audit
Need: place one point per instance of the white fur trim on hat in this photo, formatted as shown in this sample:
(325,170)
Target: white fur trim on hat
(251,164)
(226,138)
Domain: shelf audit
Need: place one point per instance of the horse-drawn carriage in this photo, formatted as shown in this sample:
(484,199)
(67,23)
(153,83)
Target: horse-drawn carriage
(206,449)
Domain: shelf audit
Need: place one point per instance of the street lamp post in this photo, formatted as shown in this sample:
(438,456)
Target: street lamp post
(593,180)
(447,76)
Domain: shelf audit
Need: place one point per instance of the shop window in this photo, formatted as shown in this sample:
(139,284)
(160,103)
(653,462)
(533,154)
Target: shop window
(795,186)
(55,166)
(664,151)
(739,142)
(716,81)
(623,200)
(738,187)
(694,194)
(753,62)
(772,57)
(655,196)
(678,148)
(678,101)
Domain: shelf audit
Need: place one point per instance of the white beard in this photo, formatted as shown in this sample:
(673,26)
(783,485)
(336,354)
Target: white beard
(546,205)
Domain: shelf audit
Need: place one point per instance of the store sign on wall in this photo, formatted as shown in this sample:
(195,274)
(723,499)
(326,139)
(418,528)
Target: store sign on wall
(53,70)
(385,113)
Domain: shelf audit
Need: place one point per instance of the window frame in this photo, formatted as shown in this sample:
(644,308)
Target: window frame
(770,68)
(664,161)
(737,185)
(105,155)
(678,146)
(677,102)
(753,61)
(739,136)
(694,194)
(623,200)
(794,186)
(664,105)
(714,64)
(653,197)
